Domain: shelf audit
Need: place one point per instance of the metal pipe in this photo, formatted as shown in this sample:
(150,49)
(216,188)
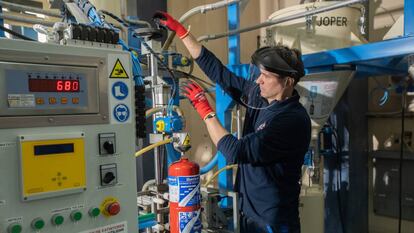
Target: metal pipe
(281,20)
(204,8)
(26,20)
(199,9)
(18,7)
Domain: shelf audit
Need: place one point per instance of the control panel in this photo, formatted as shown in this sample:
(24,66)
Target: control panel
(42,90)
(66,139)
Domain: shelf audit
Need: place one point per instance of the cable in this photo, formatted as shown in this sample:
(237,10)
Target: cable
(152,146)
(119,20)
(218,172)
(194,77)
(16,34)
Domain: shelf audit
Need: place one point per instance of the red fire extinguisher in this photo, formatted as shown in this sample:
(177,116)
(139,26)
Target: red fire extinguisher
(184,192)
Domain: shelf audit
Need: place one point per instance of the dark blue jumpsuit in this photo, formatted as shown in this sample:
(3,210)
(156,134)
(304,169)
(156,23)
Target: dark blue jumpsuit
(269,155)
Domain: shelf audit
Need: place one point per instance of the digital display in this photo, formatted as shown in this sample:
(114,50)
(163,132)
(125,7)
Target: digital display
(53,85)
(54,149)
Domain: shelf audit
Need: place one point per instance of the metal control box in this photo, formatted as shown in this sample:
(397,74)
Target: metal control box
(66,139)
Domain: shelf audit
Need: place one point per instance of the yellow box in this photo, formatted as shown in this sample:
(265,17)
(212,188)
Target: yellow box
(52,165)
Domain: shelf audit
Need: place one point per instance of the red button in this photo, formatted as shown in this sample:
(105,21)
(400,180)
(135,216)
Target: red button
(113,208)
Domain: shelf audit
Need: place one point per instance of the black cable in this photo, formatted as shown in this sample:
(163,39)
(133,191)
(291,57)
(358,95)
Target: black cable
(188,74)
(119,20)
(401,160)
(194,77)
(16,34)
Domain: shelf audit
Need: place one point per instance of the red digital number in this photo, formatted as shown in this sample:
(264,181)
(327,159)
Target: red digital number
(67,85)
(59,85)
(75,86)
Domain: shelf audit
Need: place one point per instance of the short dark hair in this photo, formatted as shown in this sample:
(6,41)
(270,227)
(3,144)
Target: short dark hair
(293,57)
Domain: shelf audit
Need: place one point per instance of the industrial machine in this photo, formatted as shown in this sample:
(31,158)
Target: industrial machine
(66,159)
(73,116)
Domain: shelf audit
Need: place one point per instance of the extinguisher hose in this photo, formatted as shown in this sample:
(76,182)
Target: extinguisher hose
(218,172)
(152,146)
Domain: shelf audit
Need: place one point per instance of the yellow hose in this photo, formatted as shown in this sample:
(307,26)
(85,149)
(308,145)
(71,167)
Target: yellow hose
(218,172)
(152,146)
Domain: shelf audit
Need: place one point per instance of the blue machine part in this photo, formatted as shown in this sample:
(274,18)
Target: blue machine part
(168,124)
(90,11)
(178,60)
(1,23)
(308,160)
(408,17)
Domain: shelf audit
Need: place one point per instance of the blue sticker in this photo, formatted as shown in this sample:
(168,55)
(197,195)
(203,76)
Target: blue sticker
(120,90)
(185,190)
(121,112)
(190,222)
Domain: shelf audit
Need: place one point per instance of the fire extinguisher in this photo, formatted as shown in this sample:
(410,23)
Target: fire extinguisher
(184,192)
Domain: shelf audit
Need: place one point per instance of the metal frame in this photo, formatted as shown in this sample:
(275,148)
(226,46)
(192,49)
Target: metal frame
(226,103)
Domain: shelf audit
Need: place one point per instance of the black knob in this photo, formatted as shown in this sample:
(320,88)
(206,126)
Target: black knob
(109,147)
(109,177)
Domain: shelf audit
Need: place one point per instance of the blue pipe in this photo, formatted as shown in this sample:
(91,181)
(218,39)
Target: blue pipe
(209,166)
(2,24)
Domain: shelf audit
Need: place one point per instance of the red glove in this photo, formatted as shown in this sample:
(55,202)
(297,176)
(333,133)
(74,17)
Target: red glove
(167,20)
(197,98)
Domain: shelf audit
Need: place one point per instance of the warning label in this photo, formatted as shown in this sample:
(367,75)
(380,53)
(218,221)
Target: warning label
(113,228)
(21,100)
(118,71)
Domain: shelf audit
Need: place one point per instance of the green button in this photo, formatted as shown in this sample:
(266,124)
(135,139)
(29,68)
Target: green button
(14,228)
(94,212)
(57,219)
(76,216)
(37,223)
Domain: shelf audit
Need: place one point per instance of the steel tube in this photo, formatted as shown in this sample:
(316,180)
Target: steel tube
(26,20)
(194,11)
(18,7)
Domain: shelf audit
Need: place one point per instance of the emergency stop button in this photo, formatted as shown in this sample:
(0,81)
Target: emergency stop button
(113,208)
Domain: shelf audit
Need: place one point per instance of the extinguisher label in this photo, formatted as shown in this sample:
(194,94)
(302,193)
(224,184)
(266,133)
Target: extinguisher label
(189,222)
(185,190)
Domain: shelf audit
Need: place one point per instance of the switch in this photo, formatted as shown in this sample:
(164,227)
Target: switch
(94,212)
(108,174)
(113,208)
(109,177)
(109,147)
(37,224)
(57,219)
(107,144)
(76,216)
(14,228)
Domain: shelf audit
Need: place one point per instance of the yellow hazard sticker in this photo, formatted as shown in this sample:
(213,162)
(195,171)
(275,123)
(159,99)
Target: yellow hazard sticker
(186,140)
(118,71)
